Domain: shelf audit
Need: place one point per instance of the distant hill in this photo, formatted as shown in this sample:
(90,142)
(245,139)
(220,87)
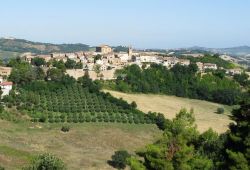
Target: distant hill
(241,50)
(235,51)
(21,46)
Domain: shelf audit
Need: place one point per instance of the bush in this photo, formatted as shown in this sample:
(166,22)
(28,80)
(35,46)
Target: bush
(65,128)
(119,159)
(46,162)
(43,119)
(1,168)
(220,110)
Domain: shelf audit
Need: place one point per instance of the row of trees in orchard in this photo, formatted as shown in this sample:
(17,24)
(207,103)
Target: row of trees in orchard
(53,117)
(60,98)
(183,147)
(183,81)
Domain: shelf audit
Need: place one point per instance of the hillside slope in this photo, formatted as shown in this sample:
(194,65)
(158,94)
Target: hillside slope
(85,146)
(21,46)
(205,112)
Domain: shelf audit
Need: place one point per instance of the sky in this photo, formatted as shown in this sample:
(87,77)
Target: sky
(139,23)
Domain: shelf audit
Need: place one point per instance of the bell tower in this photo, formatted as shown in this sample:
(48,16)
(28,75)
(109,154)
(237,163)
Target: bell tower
(130,51)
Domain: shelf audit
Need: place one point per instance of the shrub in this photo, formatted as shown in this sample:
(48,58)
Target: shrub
(93,119)
(48,162)
(43,119)
(1,168)
(220,110)
(51,120)
(65,128)
(88,118)
(119,159)
(69,119)
(134,105)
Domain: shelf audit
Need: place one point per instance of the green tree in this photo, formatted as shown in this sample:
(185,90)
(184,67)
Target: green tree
(40,74)
(119,159)
(242,79)
(78,65)
(238,143)
(22,73)
(70,64)
(97,69)
(59,64)
(55,74)
(134,105)
(37,61)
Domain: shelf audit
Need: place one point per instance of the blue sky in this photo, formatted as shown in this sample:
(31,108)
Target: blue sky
(141,23)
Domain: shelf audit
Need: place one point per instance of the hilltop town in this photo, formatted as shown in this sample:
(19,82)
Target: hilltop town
(103,62)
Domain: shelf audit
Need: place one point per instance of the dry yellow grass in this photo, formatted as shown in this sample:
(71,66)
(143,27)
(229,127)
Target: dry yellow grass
(86,146)
(205,112)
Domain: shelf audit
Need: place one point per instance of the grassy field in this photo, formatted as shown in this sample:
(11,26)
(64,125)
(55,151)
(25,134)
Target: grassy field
(86,146)
(205,112)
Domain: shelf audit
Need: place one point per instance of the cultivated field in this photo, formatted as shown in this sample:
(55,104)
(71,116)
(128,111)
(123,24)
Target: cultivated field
(86,146)
(205,112)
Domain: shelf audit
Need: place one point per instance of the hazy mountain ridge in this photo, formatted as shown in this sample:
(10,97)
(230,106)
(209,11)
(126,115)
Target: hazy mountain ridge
(235,51)
(21,46)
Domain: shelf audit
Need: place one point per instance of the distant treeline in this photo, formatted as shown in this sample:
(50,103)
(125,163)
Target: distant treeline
(183,81)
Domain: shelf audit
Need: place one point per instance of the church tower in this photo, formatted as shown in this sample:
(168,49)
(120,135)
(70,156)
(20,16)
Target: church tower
(130,52)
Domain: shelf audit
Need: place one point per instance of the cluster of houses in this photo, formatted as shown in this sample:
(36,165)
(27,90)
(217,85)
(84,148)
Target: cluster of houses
(108,62)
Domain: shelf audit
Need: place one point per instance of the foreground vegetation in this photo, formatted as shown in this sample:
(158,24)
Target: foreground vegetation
(183,147)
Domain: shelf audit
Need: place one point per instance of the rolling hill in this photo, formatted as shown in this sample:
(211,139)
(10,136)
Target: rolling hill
(205,112)
(21,46)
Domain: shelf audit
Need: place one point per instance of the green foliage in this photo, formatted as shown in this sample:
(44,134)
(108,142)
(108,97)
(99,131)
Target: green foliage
(176,150)
(1,168)
(242,79)
(208,58)
(61,101)
(238,145)
(97,69)
(78,65)
(134,105)
(182,147)
(70,64)
(46,162)
(135,164)
(37,61)
(65,128)
(59,65)
(55,74)
(119,159)
(180,81)
(220,110)
(120,49)
(97,57)
(22,73)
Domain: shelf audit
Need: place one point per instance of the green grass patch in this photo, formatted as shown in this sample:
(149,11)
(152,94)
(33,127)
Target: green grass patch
(12,152)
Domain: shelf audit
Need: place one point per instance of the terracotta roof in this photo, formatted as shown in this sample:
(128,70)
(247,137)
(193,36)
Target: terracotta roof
(6,83)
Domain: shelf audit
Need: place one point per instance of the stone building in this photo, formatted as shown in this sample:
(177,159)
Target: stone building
(104,49)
